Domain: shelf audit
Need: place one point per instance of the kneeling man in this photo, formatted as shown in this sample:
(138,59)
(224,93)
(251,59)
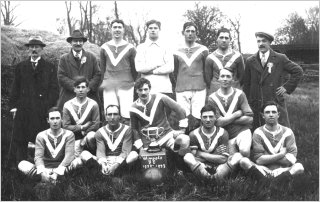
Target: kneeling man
(81,116)
(114,143)
(54,151)
(274,148)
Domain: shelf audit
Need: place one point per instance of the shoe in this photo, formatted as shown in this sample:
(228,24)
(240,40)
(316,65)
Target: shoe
(283,179)
(201,171)
(92,164)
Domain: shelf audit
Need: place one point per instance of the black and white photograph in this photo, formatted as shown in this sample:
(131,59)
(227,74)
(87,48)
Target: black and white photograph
(159,100)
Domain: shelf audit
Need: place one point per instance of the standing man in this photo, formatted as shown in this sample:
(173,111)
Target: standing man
(148,114)
(154,60)
(265,79)
(114,144)
(274,149)
(233,114)
(81,116)
(54,151)
(189,62)
(77,62)
(224,57)
(34,91)
(118,70)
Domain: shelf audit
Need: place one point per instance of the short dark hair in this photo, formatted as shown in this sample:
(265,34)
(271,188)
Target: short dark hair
(54,109)
(208,108)
(113,106)
(80,79)
(223,29)
(118,21)
(153,22)
(228,69)
(140,82)
(268,103)
(188,24)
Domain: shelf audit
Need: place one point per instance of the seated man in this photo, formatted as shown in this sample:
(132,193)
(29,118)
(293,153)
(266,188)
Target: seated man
(148,111)
(81,116)
(209,144)
(233,114)
(54,151)
(274,149)
(114,143)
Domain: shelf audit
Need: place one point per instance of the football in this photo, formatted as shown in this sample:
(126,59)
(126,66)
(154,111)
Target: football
(153,175)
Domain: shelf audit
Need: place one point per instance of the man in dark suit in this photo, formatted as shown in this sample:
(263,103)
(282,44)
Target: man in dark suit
(34,91)
(77,62)
(266,79)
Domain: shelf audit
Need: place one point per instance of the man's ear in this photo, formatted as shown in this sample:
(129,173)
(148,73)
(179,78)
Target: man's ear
(261,114)
(48,120)
(74,89)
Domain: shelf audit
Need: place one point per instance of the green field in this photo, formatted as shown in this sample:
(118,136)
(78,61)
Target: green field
(303,107)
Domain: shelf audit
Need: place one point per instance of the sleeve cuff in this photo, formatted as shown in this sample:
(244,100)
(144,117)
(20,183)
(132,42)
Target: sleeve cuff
(183,123)
(291,158)
(60,170)
(40,169)
(138,143)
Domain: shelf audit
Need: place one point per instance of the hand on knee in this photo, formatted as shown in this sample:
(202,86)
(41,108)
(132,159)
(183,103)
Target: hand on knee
(132,157)
(297,168)
(245,163)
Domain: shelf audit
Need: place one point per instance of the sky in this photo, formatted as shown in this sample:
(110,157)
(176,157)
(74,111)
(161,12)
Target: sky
(255,15)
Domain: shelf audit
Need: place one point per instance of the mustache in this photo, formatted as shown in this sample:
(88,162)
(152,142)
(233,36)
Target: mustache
(262,46)
(34,52)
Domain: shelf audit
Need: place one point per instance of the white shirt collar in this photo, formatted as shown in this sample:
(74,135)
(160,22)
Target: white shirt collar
(36,60)
(74,53)
(150,42)
(266,54)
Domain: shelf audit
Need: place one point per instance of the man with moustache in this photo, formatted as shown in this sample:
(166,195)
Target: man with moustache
(274,149)
(118,69)
(54,152)
(266,79)
(223,57)
(34,91)
(148,114)
(77,62)
(189,62)
(154,60)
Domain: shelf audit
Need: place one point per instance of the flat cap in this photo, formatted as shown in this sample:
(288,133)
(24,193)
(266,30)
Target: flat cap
(266,35)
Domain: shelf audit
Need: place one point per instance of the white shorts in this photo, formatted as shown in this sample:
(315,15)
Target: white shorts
(120,97)
(243,139)
(192,101)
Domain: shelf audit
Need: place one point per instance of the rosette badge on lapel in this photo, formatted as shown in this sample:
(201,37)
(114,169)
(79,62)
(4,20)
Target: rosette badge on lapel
(269,65)
(83,60)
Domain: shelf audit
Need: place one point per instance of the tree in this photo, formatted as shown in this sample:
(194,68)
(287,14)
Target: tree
(8,13)
(235,23)
(297,30)
(208,20)
(116,13)
(70,20)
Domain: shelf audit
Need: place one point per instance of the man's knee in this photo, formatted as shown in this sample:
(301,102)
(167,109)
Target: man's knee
(182,140)
(25,167)
(234,159)
(85,156)
(132,157)
(245,163)
(297,168)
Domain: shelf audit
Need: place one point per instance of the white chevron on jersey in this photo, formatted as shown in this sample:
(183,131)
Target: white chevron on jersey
(190,60)
(54,152)
(228,64)
(84,115)
(232,105)
(214,142)
(276,149)
(113,60)
(113,146)
(153,110)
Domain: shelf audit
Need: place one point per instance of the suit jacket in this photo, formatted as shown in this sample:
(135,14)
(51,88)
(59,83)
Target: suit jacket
(33,93)
(68,69)
(261,83)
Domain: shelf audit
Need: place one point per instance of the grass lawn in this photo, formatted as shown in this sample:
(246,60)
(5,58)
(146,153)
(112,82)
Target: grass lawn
(303,107)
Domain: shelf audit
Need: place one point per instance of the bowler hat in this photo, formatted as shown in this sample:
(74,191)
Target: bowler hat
(76,34)
(35,40)
(266,35)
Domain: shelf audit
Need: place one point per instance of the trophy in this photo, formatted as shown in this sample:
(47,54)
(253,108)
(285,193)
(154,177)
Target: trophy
(153,134)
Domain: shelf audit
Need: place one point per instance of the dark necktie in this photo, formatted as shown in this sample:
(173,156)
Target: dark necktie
(263,60)
(34,65)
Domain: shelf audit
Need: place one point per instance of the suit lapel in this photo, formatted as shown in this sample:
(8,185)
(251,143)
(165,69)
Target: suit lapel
(256,63)
(84,54)
(265,73)
(72,61)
